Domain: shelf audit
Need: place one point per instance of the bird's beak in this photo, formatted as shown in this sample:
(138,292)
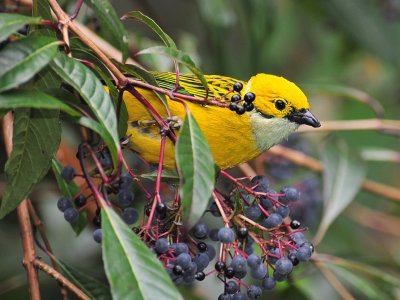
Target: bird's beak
(305,117)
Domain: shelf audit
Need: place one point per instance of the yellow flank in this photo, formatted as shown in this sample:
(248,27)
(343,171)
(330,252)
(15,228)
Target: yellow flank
(233,138)
(228,134)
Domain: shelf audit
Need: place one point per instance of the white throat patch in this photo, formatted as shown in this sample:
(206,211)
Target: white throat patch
(269,132)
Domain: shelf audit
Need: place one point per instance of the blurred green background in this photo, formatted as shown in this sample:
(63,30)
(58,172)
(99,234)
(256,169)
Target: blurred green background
(321,45)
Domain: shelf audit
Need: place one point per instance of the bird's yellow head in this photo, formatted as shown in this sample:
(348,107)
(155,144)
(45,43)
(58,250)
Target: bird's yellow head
(277,97)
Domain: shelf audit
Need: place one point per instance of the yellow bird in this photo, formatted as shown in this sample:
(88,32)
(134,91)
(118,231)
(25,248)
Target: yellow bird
(235,136)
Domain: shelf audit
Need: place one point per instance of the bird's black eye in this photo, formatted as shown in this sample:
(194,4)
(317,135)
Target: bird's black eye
(279,104)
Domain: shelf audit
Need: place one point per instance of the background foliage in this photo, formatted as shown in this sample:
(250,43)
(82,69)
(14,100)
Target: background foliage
(333,49)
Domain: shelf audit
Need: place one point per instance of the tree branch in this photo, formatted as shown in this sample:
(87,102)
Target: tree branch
(60,278)
(24,221)
(315,165)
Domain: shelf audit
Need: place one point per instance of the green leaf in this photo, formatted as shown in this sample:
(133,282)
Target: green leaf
(132,268)
(109,19)
(36,138)
(69,189)
(114,94)
(21,60)
(344,172)
(34,99)
(366,287)
(100,130)
(168,176)
(92,91)
(146,76)
(139,16)
(180,57)
(196,170)
(89,285)
(10,23)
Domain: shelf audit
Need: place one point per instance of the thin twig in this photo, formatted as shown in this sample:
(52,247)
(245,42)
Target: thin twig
(37,222)
(301,159)
(60,278)
(64,19)
(374,219)
(24,221)
(331,278)
(347,125)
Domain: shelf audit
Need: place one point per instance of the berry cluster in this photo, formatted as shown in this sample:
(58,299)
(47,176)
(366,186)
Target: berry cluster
(258,241)
(248,98)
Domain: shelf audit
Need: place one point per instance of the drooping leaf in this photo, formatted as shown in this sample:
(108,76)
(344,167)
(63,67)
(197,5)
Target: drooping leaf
(36,138)
(92,91)
(10,23)
(180,57)
(21,60)
(343,175)
(114,94)
(109,19)
(196,170)
(69,189)
(132,269)
(139,16)
(89,285)
(34,99)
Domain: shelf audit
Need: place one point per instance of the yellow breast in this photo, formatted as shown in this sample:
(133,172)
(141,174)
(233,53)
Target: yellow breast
(231,136)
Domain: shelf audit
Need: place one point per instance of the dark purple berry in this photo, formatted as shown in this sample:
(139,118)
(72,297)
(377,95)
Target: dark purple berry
(237,87)
(249,97)
(220,266)
(253,212)
(125,181)
(80,201)
(293,258)
(231,287)
(291,194)
(97,220)
(238,263)
(184,260)
(254,291)
(283,211)
(268,283)
(229,272)
(261,182)
(161,246)
(202,246)
(161,208)
(295,224)
(130,215)
(64,203)
(68,173)
(236,98)
(98,235)
(177,270)
(125,198)
(273,220)
(200,276)
(253,261)
(233,106)
(242,232)
(283,266)
(240,110)
(211,252)
(200,231)
(248,106)
(71,215)
(226,235)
